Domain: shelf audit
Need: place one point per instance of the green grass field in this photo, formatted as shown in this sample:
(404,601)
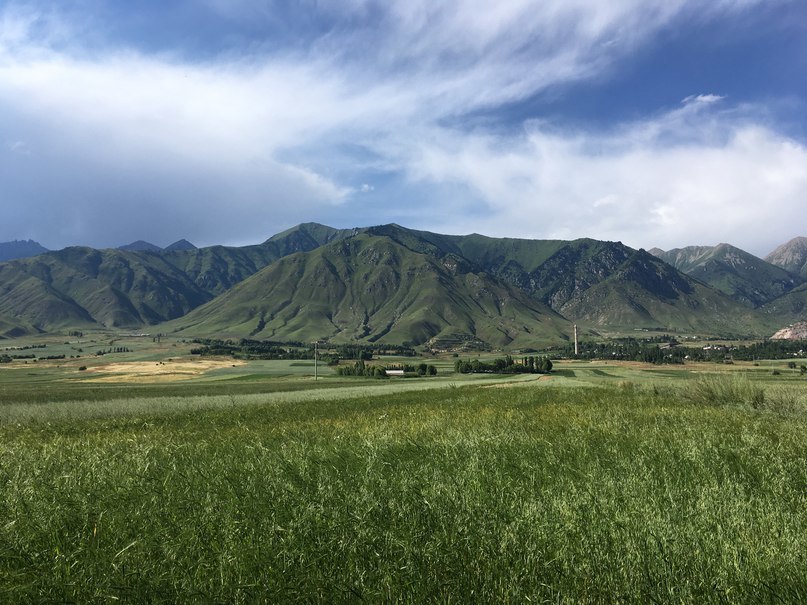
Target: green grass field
(604,483)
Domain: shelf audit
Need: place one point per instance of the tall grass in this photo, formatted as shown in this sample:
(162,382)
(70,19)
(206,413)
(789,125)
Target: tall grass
(461,494)
(738,390)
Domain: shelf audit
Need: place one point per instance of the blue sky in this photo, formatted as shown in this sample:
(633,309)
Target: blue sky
(657,123)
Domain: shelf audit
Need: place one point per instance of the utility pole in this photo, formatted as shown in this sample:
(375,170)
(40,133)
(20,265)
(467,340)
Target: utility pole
(576,349)
(316,342)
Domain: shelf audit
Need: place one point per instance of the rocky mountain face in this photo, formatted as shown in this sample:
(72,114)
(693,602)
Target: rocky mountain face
(791,256)
(742,276)
(797,331)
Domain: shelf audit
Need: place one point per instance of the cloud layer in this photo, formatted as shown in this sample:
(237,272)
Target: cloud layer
(362,112)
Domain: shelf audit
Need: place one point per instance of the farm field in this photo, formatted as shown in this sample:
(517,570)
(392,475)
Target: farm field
(222,480)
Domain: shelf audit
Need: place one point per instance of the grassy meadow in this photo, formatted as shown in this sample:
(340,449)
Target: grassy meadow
(602,483)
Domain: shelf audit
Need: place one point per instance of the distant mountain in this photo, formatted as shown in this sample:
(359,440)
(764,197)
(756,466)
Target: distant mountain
(182,244)
(20,249)
(371,288)
(218,268)
(744,277)
(606,285)
(391,284)
(140,246)
(81,287)
(307,236)
(143,246)
(790,308)
(78,287)
(791,256)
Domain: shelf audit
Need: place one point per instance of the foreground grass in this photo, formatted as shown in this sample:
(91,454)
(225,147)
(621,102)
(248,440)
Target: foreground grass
(451,495)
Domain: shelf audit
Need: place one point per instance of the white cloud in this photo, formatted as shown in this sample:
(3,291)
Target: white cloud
(219,133)
(721,180)
(706,99)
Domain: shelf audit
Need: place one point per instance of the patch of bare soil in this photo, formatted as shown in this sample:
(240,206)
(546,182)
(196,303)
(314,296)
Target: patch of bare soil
(157,371)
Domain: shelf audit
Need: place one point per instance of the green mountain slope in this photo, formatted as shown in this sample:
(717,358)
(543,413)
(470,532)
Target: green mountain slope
(595,283)
(612,286)
(12,327)
(398,285)
(788,309)
(791,256)
(371,288)
(744,277)
(81,286)
(217,268)
(508,259)
(392,284)
(140,246)
(181,244)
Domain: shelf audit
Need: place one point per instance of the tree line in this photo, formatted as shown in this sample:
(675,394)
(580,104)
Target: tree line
(505,365)
(673,352)
(246,348)
(360,368)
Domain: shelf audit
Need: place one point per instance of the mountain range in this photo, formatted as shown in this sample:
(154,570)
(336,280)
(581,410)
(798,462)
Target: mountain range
(398,285)
(143,246)
(20,249)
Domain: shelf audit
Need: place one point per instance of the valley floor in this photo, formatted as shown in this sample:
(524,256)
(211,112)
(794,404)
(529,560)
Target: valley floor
(252,482)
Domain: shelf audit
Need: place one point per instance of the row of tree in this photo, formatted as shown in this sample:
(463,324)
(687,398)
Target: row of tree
(672,352)
(113,350)
(505,365)
(360,368)
(266,349)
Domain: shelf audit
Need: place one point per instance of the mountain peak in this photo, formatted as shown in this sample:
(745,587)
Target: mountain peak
(20,249)
(744,277)
(140,246)
(791,256)
(182,244)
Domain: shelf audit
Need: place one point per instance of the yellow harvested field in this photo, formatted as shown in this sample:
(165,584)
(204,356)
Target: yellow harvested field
(157,371)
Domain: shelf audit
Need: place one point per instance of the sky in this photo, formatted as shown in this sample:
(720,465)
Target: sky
(658,123)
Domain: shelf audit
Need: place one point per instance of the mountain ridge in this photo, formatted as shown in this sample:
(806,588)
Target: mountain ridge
(20,249)
(744,277)
(791,256)
(371,288)
(506,291)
